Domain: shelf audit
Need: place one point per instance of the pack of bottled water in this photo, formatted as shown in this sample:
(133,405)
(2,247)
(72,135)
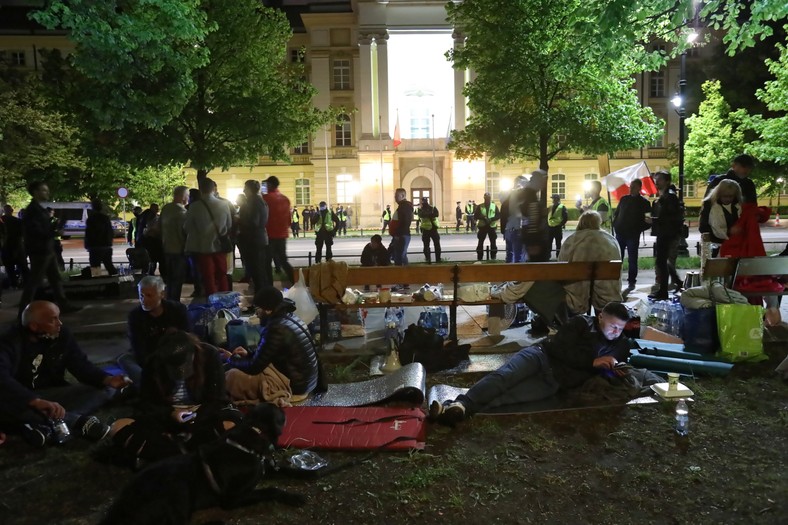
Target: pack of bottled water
(667,316)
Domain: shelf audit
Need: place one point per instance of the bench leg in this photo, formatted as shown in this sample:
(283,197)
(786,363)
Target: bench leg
(453,322)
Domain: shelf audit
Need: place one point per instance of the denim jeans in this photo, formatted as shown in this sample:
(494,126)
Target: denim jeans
(526,377)
(399,250)
(630,243)
(79,399)
(177,268)
(515,251)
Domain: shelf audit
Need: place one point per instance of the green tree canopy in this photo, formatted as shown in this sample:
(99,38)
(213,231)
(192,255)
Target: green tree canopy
(35,142)
(772,141)
(548,89)
(243,101)
(714,136)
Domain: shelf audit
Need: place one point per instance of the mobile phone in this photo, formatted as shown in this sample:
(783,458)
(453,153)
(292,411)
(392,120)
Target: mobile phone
(187,416)
(622,366)
(264,187)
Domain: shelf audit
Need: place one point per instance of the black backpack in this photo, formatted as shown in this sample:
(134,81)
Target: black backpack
(425,346)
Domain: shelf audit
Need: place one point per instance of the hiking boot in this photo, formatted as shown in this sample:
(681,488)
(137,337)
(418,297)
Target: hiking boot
(92,428)
(36,435)
(447,413)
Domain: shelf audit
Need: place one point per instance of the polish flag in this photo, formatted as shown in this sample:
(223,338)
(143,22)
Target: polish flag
(618,182)
(397,139)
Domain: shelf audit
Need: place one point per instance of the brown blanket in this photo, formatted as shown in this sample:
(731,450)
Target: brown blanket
(270,386)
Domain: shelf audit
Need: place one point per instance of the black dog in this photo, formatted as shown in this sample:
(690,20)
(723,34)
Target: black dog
(224,474)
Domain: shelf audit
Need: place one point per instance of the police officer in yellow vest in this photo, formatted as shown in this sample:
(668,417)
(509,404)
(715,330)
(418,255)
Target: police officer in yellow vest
(486,215)
(386,218)
(598,203)
(470,220)
(556,220)
(342,218)
(295,222)
(324,232)
(428,216)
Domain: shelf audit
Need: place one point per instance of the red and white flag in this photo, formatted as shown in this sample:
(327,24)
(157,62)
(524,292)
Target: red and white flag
(397,139)
(618,182)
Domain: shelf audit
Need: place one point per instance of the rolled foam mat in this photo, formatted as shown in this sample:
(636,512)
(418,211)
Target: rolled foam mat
(408,385)
(475,364)
(673,364)
(354,428)
(672,350)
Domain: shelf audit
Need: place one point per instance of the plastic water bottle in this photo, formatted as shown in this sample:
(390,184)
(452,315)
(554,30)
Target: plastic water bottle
(682,418)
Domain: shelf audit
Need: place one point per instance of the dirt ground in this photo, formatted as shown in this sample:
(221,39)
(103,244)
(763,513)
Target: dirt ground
(615,465)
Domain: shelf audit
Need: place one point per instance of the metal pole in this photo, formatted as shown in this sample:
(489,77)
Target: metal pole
(682,113)
(382,191)
(433,196)
(328,192)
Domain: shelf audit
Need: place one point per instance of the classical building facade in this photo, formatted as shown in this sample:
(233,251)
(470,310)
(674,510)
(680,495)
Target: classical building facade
(384,61)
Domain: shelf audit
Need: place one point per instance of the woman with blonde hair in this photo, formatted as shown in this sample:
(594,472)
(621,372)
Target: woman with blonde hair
(591,243)
(720,212)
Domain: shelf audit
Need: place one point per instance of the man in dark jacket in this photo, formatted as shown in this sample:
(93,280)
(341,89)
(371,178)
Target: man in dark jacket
(13,253)
(34,357)
(39,236)
(285,343)
(98,238)
(582,348)
(325,227)
(428,223)
(374,253)
(399,228)
(148,322)
(629,221)
(666,225)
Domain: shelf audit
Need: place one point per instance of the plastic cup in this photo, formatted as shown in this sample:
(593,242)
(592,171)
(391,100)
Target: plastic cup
(384,295)
(673,381)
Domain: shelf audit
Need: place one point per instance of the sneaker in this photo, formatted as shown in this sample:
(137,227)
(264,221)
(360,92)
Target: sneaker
(36,435)
(447,413)
(92,428)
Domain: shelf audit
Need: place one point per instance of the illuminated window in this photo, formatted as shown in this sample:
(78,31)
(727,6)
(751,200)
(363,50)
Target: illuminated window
(303,194)
(420,123)
(344,188)
(591,176)
(493,184)
(301,149)
(689,189)
(342,74)
(558,185)
(342,131)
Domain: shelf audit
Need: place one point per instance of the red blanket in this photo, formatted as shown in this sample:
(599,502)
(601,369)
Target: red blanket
(354,428)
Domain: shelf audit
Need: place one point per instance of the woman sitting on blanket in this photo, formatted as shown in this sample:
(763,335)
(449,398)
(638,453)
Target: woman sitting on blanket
(182,403)
(284,368)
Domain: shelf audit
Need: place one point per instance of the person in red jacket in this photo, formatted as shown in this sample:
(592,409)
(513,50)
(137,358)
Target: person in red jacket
(278,229)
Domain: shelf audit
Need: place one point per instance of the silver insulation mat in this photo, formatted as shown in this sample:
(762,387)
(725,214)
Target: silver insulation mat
(406,385)
(441,393)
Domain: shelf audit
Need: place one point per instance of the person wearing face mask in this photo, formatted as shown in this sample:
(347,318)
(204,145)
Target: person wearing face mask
(285,345)
(182,403)
(583,347)
(34,394)
(324,232)
(148,322)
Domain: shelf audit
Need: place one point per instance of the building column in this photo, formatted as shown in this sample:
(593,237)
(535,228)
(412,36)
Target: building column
(460,103)
(383,83)
(366,112)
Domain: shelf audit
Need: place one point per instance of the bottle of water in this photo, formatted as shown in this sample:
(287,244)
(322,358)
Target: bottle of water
(682,418)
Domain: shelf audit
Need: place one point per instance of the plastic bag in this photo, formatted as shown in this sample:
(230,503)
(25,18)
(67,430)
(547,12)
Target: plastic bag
(218,328)
(740,327)
(700,330)
(306,309)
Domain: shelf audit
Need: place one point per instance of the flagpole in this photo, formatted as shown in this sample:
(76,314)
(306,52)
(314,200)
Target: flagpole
(433,162)
(328,192)
(380,148)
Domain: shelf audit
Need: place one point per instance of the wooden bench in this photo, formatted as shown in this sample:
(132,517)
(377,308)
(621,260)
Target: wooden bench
(729,269)
(452,276)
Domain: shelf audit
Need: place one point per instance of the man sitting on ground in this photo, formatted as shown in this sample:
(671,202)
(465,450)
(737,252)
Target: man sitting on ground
(285,344)
(34,357)
(582,348)
(374,253)
(154,317)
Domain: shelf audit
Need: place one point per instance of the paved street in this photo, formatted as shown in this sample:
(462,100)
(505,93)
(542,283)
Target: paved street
(457,247)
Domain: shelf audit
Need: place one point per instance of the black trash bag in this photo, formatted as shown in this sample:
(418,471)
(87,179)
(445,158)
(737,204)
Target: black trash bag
(425,346)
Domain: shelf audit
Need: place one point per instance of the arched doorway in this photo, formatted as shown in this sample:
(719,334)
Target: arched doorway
(423,182)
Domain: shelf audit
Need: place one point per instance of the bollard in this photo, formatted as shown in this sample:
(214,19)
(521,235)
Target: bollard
(309,258)
(487,252)
(71,264)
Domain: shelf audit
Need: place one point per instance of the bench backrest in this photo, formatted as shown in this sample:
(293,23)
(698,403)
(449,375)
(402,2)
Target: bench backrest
(547,271)
(722,267)
(761,266)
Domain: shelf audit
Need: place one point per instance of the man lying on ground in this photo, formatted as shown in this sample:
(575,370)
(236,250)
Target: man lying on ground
(34,395)
(582,348)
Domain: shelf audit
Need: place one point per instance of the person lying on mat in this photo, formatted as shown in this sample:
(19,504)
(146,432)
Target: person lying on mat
(582,348)
(182,403)
(284,361)
(35,398)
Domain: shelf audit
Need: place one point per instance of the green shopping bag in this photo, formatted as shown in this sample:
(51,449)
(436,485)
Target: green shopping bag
(740,327)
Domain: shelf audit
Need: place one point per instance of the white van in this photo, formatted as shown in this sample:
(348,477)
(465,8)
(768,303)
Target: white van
(72,216)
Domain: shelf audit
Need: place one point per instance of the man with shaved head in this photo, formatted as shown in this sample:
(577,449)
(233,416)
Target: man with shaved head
(34,357)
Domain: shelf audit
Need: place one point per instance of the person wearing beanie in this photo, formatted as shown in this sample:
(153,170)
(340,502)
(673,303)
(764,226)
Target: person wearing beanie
(285,345)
